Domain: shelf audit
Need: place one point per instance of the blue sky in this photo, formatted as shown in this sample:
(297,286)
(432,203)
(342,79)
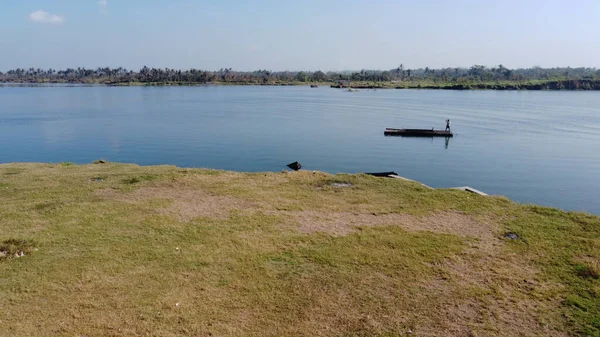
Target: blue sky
(295,35)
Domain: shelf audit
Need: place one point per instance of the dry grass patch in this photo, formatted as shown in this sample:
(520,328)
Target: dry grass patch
(501,293)
(502,283)
(184,203)
(342,223)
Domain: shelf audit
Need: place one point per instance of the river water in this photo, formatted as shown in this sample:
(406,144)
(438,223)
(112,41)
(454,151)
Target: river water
(531,146)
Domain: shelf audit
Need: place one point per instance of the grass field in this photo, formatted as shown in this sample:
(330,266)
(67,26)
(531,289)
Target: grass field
(122,250)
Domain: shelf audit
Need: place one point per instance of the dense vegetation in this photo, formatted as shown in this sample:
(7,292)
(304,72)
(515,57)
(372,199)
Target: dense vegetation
(475,77)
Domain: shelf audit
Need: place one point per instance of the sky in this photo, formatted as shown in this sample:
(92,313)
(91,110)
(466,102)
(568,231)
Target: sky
(278,35)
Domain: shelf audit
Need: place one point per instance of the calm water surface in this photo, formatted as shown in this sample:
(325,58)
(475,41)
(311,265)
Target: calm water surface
(533,147)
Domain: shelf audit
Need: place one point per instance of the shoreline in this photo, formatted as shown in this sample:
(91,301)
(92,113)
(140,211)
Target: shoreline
(549,85)
(393,176)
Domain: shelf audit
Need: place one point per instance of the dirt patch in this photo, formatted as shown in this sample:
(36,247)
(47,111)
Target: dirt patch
(107,193)
(342,223)
(507,288)
(186,204)
(342,184)
(485,285)
(506,285)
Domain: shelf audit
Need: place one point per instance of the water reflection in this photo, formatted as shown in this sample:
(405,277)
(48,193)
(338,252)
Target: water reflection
(433,139)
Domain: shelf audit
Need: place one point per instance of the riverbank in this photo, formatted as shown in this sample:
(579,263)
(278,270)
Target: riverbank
(115,249)
(551,85)
(547,85)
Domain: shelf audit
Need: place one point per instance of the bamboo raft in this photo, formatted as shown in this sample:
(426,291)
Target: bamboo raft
(417,132)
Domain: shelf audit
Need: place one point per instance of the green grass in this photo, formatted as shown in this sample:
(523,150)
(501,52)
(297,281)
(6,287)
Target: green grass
(139,179)
(167,251)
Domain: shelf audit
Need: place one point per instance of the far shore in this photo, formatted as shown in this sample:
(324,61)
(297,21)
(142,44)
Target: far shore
(540,85)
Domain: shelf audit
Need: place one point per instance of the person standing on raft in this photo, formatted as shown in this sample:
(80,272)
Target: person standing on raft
(447,125)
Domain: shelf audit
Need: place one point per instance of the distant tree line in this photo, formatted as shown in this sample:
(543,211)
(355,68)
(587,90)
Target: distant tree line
(474,74)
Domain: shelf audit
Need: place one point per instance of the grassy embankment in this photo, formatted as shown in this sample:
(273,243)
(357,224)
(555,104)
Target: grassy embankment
(117,250)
